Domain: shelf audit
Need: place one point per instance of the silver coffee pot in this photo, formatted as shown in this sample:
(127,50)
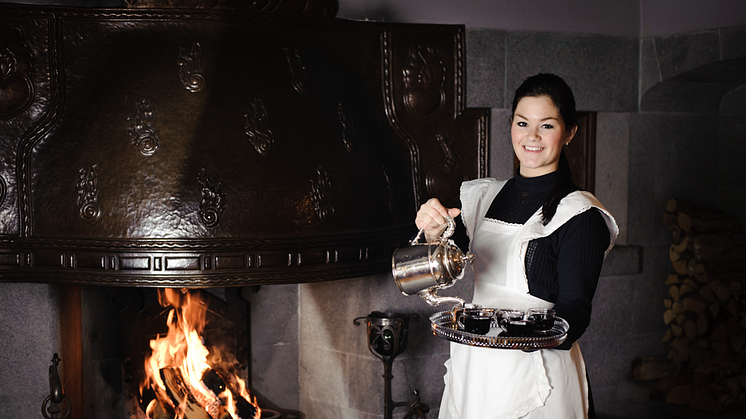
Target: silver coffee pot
(425,268)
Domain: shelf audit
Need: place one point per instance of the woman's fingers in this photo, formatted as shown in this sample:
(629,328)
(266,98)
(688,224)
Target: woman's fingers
(431,214)
(432,218)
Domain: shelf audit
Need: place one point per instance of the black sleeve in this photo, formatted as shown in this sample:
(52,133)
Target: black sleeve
(580,247)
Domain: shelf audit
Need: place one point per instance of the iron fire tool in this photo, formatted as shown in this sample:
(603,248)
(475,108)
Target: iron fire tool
(51,403)
(387,338)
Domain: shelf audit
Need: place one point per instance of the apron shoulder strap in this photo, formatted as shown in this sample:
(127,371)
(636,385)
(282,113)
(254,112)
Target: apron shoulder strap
(476,197)
(570,206)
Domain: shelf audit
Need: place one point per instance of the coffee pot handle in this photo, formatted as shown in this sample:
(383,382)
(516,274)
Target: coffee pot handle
(443,238)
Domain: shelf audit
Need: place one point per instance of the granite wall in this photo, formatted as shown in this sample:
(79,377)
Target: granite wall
(28,340)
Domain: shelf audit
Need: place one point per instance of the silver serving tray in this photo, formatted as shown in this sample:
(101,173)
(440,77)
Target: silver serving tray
(444,326)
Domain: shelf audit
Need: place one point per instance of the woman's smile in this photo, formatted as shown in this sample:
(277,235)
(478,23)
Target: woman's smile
(533,148)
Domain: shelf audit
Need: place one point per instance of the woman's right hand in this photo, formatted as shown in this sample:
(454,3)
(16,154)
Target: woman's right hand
(432,218)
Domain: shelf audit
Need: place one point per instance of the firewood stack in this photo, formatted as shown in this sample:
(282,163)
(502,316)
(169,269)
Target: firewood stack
(705,343)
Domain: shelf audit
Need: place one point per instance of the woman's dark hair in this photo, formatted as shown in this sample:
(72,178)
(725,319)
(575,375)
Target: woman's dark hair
(555,88)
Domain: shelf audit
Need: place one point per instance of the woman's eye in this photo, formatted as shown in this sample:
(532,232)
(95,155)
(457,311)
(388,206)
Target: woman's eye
(521,124)
(547,126)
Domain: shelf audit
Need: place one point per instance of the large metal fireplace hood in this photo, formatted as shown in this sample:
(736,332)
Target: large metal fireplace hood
(223,143)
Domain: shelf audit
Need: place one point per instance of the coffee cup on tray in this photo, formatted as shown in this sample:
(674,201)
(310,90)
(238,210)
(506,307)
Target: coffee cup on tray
(516,323)
(543,318)
(475,320)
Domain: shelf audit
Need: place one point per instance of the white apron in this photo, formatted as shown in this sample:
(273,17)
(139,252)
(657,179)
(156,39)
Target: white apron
(488,383)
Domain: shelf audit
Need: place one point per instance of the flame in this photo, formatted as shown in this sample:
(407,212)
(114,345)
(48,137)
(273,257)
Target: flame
(182,350)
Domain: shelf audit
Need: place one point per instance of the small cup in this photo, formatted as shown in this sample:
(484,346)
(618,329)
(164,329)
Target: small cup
(475,320)
(543,319)
(506,315)
(516,322)
(520,327)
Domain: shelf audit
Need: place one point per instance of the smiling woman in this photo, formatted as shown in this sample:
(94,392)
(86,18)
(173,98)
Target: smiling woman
(538,241)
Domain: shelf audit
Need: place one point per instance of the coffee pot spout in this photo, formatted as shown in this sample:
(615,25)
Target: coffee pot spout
(434,300)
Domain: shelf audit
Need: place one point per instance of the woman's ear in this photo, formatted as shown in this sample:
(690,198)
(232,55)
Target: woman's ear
(570,134)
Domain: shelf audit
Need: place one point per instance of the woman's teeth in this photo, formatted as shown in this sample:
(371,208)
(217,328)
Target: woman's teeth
(530,148)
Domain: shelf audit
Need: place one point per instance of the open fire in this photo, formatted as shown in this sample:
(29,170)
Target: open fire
(184,378)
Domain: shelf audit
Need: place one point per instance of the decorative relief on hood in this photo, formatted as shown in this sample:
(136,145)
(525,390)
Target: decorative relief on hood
(212,205)
(16,64)
(299,77)
(3,191)
(87,188)
(390,186)
(348,129)
(190,67)
(447,175)
(141,132)
(256,128)
(320,194)
(424,76)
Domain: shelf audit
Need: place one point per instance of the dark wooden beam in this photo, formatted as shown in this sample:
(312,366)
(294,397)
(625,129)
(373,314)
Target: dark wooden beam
(71,348)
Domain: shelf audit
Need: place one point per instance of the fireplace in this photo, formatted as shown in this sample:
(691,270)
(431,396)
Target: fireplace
(240,148)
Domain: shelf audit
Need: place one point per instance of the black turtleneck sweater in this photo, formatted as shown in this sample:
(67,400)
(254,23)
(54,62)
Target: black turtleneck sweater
(563,267)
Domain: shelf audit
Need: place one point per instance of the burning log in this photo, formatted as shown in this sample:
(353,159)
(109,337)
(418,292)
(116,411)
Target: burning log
(188,402)
(213,381)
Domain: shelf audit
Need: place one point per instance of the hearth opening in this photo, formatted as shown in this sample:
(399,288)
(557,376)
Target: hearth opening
(190,374)
(167,353)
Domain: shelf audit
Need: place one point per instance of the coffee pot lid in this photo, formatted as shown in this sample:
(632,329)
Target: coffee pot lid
(454,260)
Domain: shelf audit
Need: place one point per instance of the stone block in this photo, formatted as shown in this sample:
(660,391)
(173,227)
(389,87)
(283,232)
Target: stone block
(733,42)
(601,70)
(485,68)
(642,155)
(318,409)
(650,72)
(325,376)
(367,389)
(29,330)
(623,260)
(680,53)
(612,166)
(501,147)
(685,97)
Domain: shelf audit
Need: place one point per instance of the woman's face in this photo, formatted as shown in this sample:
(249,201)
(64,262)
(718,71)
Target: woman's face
(538,134)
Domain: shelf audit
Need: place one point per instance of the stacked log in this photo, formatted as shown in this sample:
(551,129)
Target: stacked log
(705,342)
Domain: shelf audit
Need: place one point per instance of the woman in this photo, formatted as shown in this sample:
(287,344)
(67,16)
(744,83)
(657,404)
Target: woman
(539,242)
